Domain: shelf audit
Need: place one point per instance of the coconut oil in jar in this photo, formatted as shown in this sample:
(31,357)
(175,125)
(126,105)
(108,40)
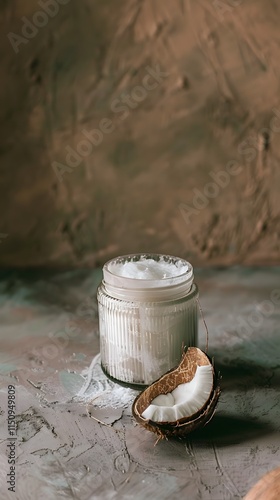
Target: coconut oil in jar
(147,311)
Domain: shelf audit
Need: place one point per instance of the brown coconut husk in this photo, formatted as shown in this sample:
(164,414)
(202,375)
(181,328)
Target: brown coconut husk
(183,373)
(267,488)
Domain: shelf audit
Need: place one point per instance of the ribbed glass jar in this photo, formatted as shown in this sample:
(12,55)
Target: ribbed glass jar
(145,322)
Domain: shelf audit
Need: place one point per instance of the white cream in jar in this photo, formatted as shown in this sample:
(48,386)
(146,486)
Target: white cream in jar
(147,312)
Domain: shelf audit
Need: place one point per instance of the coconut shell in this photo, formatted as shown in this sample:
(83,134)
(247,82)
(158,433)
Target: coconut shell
(167,383)
(267,488)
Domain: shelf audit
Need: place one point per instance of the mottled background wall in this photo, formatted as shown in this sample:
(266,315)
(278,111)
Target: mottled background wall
(144,185)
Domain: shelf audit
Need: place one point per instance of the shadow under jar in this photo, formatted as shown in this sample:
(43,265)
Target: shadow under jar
(147,311)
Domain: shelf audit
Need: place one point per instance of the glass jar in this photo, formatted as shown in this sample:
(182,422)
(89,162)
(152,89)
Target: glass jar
(147,313)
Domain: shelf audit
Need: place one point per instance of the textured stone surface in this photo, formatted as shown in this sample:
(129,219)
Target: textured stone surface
(135,191)
(76,437)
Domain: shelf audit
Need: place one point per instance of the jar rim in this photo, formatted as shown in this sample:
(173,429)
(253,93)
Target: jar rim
(116,280)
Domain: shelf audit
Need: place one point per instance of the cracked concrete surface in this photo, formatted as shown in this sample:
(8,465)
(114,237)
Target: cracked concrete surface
(76,437)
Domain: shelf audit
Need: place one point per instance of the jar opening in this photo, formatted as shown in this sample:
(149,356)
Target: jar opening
(146,275)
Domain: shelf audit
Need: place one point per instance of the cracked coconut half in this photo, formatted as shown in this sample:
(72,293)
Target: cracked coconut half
(182,400)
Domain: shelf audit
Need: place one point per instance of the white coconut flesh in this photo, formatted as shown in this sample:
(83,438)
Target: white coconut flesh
(185,400)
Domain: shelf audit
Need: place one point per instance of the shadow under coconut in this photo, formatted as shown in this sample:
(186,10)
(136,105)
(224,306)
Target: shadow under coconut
(229,430)
(243,375)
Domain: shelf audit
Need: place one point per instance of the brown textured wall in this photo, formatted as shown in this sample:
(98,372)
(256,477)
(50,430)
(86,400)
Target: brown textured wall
(215,107)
